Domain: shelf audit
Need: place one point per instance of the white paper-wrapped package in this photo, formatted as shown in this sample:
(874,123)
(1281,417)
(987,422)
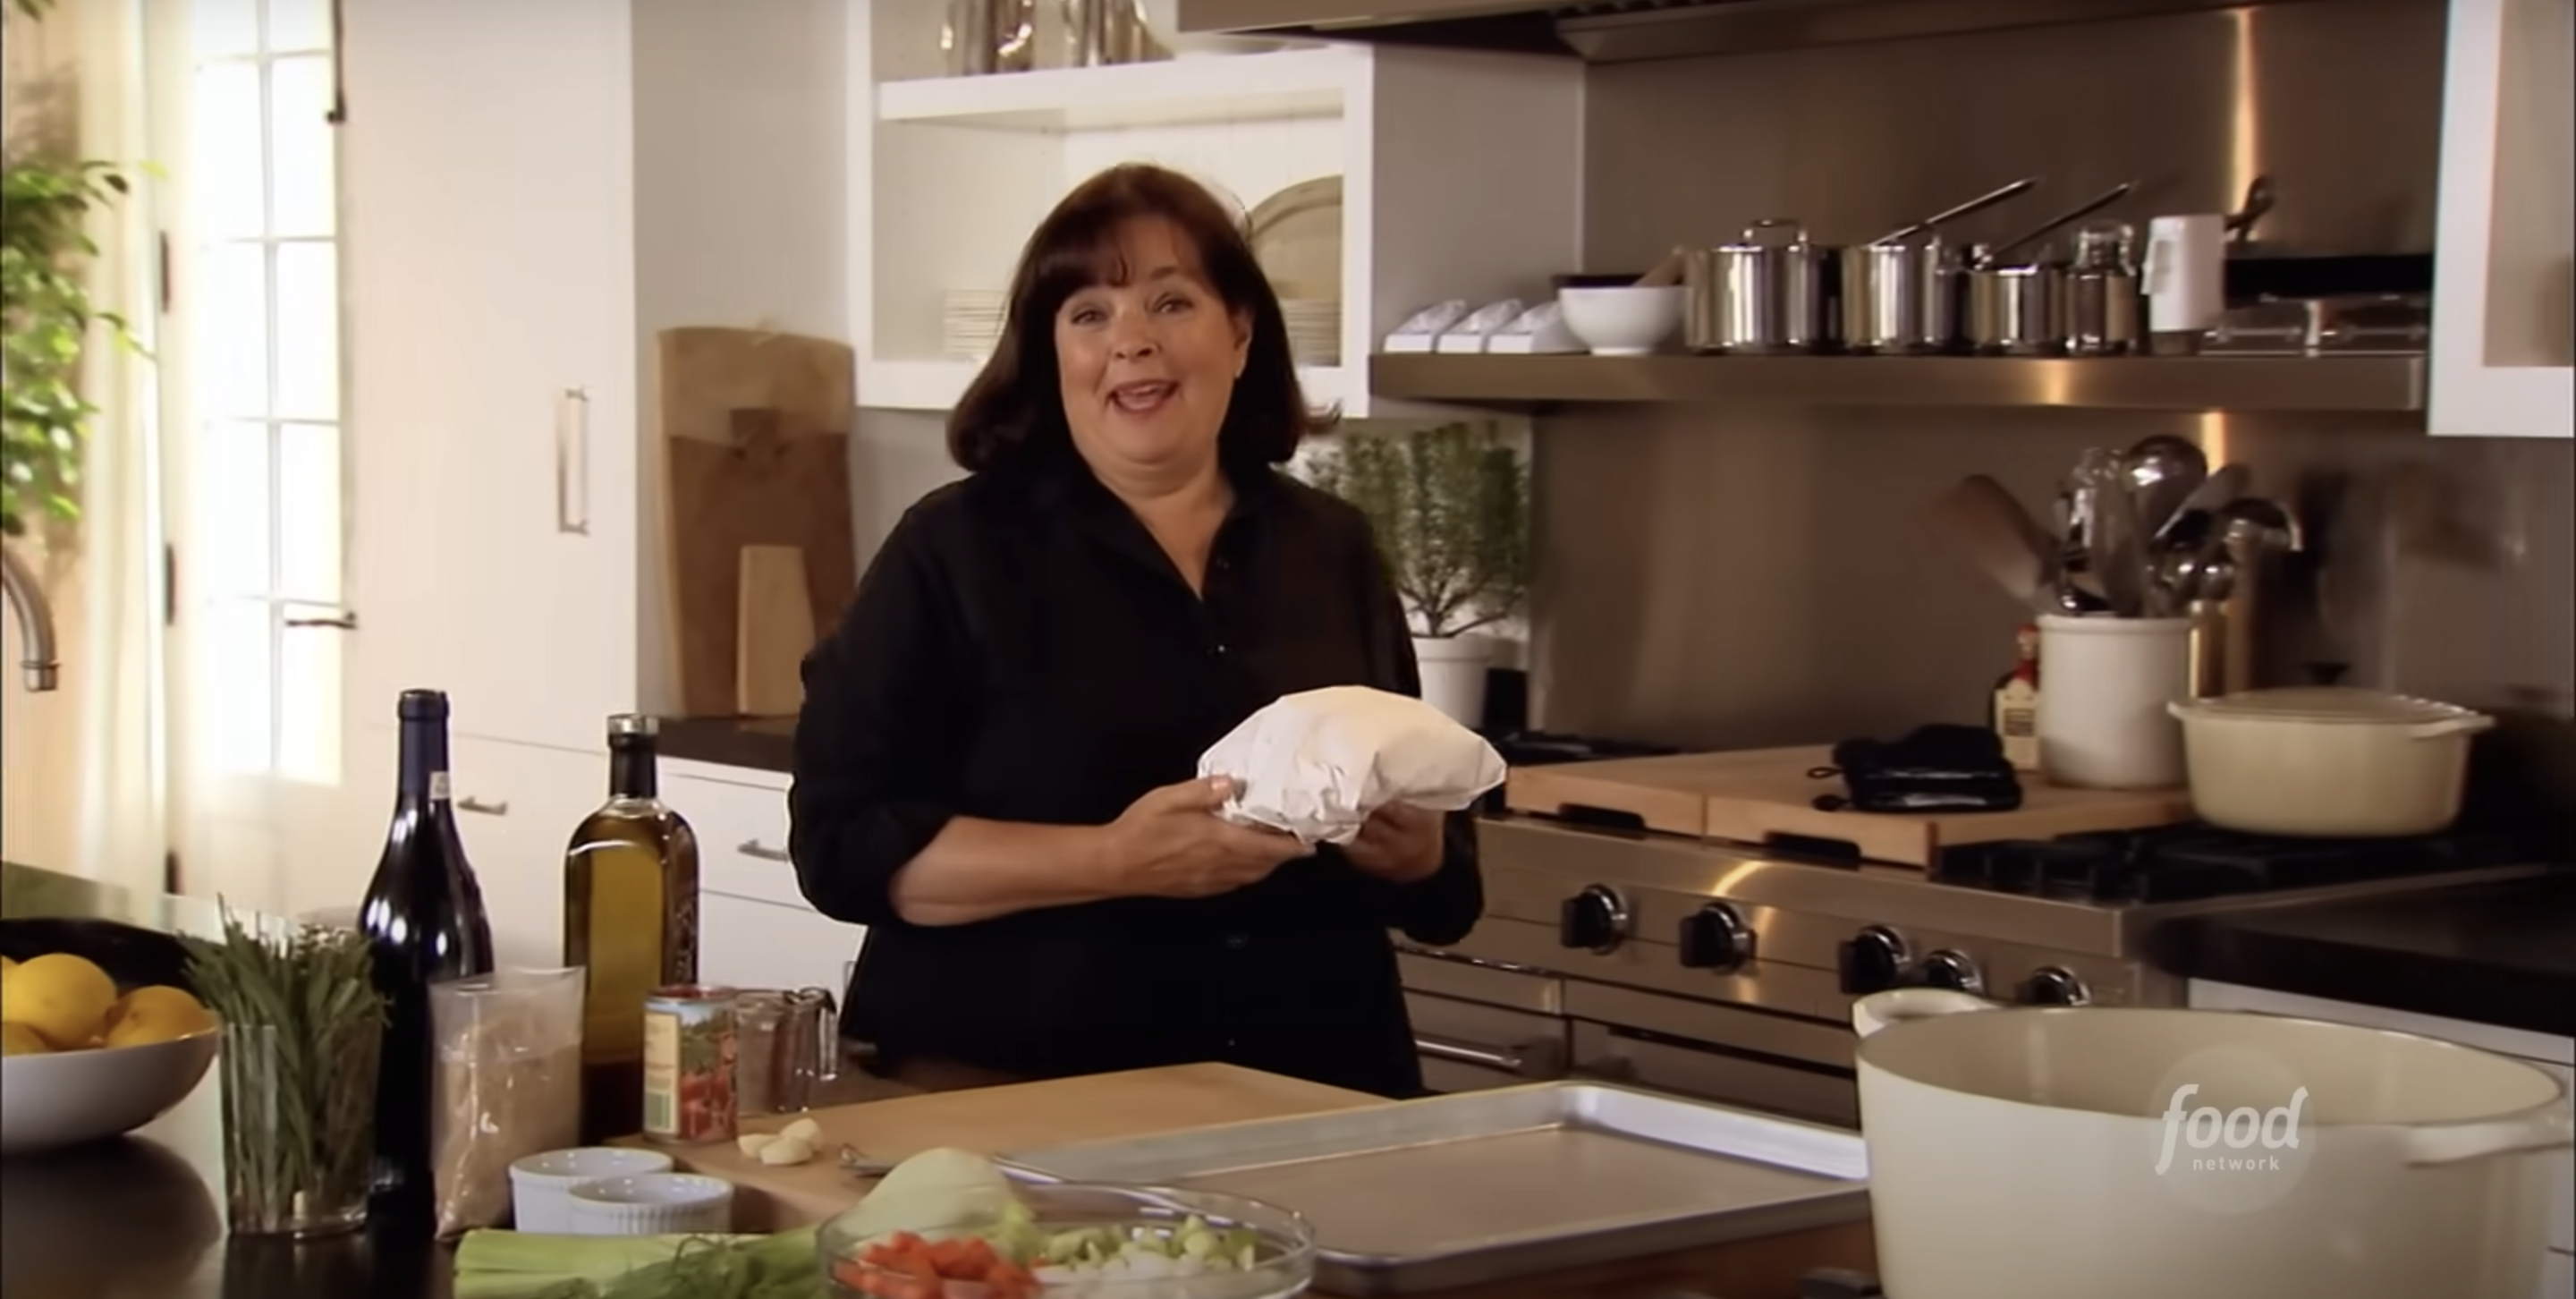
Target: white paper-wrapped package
(1317,763)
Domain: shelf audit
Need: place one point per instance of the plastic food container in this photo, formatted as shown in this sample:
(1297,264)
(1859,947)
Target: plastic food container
(1282,1249)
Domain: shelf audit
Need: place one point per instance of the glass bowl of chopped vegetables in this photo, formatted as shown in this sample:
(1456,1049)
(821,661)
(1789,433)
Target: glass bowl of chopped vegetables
(1074,1241)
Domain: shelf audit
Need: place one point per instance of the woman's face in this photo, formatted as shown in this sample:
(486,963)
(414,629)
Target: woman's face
(1147,365)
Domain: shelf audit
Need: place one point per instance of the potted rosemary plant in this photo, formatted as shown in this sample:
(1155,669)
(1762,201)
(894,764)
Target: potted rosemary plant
(1450,506)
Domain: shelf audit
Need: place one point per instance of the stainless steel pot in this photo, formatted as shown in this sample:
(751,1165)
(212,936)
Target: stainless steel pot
(2019,309)
(1899,294)
(1765,294)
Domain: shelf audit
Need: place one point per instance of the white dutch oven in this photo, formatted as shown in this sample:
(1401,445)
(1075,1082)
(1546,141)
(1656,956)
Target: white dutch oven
(2108,1153)
(2327,761)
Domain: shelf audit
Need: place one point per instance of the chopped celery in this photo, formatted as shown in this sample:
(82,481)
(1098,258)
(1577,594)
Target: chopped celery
(521,1265)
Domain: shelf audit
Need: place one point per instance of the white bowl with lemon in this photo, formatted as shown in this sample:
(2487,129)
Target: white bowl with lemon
(86,1058)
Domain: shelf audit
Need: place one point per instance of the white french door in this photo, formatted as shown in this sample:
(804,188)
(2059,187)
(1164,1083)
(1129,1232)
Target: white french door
(243,93)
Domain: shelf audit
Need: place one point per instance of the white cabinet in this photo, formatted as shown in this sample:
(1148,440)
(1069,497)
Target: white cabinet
(2555,1054)
(2504,291)
(1460,178)
(755,929)
(748,944)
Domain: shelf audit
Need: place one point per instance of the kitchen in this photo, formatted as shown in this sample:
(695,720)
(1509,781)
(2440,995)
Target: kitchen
(1643,628)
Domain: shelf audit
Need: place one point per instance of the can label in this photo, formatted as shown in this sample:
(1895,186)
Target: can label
(689,1065)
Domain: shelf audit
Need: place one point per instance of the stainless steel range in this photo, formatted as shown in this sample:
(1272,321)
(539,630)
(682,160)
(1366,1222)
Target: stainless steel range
(1726,971)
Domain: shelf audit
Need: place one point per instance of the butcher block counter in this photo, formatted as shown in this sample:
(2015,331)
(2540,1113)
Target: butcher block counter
(1144,1102)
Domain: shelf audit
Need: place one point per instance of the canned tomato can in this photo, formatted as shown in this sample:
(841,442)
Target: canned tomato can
(688,1065)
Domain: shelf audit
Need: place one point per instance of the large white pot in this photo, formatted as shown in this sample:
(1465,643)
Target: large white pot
(1453,675)
(2327,761)
(2111,1153)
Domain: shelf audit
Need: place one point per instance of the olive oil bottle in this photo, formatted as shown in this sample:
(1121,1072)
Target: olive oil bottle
(630,920)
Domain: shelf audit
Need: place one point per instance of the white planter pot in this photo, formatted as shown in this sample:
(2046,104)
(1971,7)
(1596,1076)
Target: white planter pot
(1453,675)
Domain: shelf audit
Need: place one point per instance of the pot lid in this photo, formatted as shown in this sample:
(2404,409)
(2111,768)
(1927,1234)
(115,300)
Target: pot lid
(2339,704)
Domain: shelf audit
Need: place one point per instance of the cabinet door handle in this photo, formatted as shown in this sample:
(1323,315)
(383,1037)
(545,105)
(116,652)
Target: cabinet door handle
(336,622)
(755,848)
(572,462)
(469,803)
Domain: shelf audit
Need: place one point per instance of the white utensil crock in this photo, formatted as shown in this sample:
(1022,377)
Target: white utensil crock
(2114,1153)
(1453,675)
(2104,686)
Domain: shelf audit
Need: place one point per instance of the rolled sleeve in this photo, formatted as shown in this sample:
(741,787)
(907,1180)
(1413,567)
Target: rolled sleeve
(879,740)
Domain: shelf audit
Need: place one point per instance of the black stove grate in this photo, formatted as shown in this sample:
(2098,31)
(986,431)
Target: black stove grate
(2189,863)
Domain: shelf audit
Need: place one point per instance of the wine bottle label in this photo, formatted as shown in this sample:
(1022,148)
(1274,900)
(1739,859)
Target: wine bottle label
(438,785)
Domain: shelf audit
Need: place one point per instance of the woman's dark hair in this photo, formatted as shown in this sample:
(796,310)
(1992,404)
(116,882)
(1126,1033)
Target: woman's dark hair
(1015,405)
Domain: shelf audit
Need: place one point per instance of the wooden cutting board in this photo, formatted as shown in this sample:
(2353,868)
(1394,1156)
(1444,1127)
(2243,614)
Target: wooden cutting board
(1765,796)
(754,430)
(773,630)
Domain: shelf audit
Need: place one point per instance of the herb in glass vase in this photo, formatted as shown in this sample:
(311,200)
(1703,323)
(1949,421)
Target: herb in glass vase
(302,1026)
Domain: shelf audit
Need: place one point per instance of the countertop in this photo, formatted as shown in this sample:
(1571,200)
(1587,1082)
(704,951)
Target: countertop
(2499,954)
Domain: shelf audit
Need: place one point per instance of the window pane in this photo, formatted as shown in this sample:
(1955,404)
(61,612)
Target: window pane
(224,167)
(231,331)
(298,24)
(221,27)
(308,331)
(232,508)
(308,703)
(300,147)
(237,667)
(308,513)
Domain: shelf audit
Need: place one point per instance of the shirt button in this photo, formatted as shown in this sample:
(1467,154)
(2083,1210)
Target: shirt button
(1220,649)
(1237,942)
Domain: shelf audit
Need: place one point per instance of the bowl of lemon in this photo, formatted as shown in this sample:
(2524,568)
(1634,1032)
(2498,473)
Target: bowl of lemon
(98,1033)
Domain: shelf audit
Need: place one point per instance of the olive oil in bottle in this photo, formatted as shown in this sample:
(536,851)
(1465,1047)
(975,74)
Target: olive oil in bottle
(631,922)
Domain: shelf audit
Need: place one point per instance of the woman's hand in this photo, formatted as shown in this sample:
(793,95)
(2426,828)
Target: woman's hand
(1170,843)
(1399,843)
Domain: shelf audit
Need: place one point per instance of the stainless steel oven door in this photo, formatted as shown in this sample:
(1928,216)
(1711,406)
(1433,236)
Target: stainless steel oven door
(1471,1046)
(1708,1072)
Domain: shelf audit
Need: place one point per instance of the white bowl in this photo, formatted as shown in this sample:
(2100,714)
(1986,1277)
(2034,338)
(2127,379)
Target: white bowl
(653,1204)
(69,1097)
(541,1184)
(1624,320)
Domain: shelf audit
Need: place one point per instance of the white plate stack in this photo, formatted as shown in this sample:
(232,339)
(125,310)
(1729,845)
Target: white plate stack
(970,322)
(1314,330)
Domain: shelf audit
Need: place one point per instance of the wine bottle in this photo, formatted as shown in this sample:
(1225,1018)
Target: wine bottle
(630,920)
(424,919)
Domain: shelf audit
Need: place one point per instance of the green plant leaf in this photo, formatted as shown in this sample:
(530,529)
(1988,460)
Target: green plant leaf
(1450,509)
(45,319)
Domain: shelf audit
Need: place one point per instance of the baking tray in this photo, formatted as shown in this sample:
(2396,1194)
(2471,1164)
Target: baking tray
(1483,1186)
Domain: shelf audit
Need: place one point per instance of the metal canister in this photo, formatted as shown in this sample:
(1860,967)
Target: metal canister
(981,37)
(689,1055)
(1882,298)
(1765,294)
(2102,303)
(2019,310)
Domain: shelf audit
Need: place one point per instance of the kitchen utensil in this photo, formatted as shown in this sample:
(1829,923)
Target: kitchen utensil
(1889,285)
(1403,1199)
(1763,294)
(2021,309)
(2164,471)
(70,1097)
(2102,315)
(1629,321)
(651,1204)
(2259,199)
(2001,536)
(1282,1243)
(2328,761)
(2209,675)
(2115,544)
(1296,235)
(786,1045)
(2106,683)
(541,1185)
(1762,796)
(754,435)
(1996,255)
(2224,483)
(1664,273)
(1100,33)
(2253,523)
(2185,280)
(981,37)
(2048,1152)
(774,627)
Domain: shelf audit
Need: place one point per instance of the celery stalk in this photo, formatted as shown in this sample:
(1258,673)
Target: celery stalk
(523,1265)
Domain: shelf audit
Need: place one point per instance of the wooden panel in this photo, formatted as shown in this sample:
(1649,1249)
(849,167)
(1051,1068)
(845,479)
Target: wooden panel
(1766,795)
(755,440)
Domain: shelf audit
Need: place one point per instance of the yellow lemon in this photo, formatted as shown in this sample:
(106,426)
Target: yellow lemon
(18,1039)
(61,996)
(155,1014)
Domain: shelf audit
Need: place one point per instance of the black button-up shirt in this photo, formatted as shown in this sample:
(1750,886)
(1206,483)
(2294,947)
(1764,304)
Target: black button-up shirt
(1021,649)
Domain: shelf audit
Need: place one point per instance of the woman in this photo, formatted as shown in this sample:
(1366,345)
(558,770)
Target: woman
(995,765)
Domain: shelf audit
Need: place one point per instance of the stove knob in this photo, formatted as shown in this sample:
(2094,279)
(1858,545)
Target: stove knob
(1946,969)
(2053,985)
(1871,962)
(1594,920)
(1715,938)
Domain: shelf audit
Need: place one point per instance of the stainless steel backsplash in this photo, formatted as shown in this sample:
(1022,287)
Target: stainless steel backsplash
(1731,576)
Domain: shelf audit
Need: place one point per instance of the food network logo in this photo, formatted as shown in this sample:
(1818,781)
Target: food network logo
(2238,1129)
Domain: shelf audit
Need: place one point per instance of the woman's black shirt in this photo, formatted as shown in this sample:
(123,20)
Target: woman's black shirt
(1022,650)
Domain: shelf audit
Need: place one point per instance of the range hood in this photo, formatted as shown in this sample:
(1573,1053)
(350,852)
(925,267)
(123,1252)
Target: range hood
(1621,31)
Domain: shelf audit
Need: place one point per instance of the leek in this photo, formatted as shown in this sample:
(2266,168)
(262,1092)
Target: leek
(523,1265)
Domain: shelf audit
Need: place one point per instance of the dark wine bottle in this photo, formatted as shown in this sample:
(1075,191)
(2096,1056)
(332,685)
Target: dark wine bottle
(630,921)
(424,918)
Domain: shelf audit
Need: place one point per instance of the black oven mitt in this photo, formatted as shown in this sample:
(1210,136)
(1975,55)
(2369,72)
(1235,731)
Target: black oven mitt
(1937,768)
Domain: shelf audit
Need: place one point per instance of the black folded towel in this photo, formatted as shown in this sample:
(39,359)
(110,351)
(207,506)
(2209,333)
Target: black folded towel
(1935,768)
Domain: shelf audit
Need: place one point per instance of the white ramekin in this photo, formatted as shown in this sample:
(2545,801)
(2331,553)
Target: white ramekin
(652,1204)
(541,1183)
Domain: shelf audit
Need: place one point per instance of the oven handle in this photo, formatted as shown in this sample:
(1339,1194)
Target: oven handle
(1541,1059)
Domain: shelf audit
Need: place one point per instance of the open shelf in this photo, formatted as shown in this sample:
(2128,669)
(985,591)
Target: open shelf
(2234,383)
(937,384)
(1211,88)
